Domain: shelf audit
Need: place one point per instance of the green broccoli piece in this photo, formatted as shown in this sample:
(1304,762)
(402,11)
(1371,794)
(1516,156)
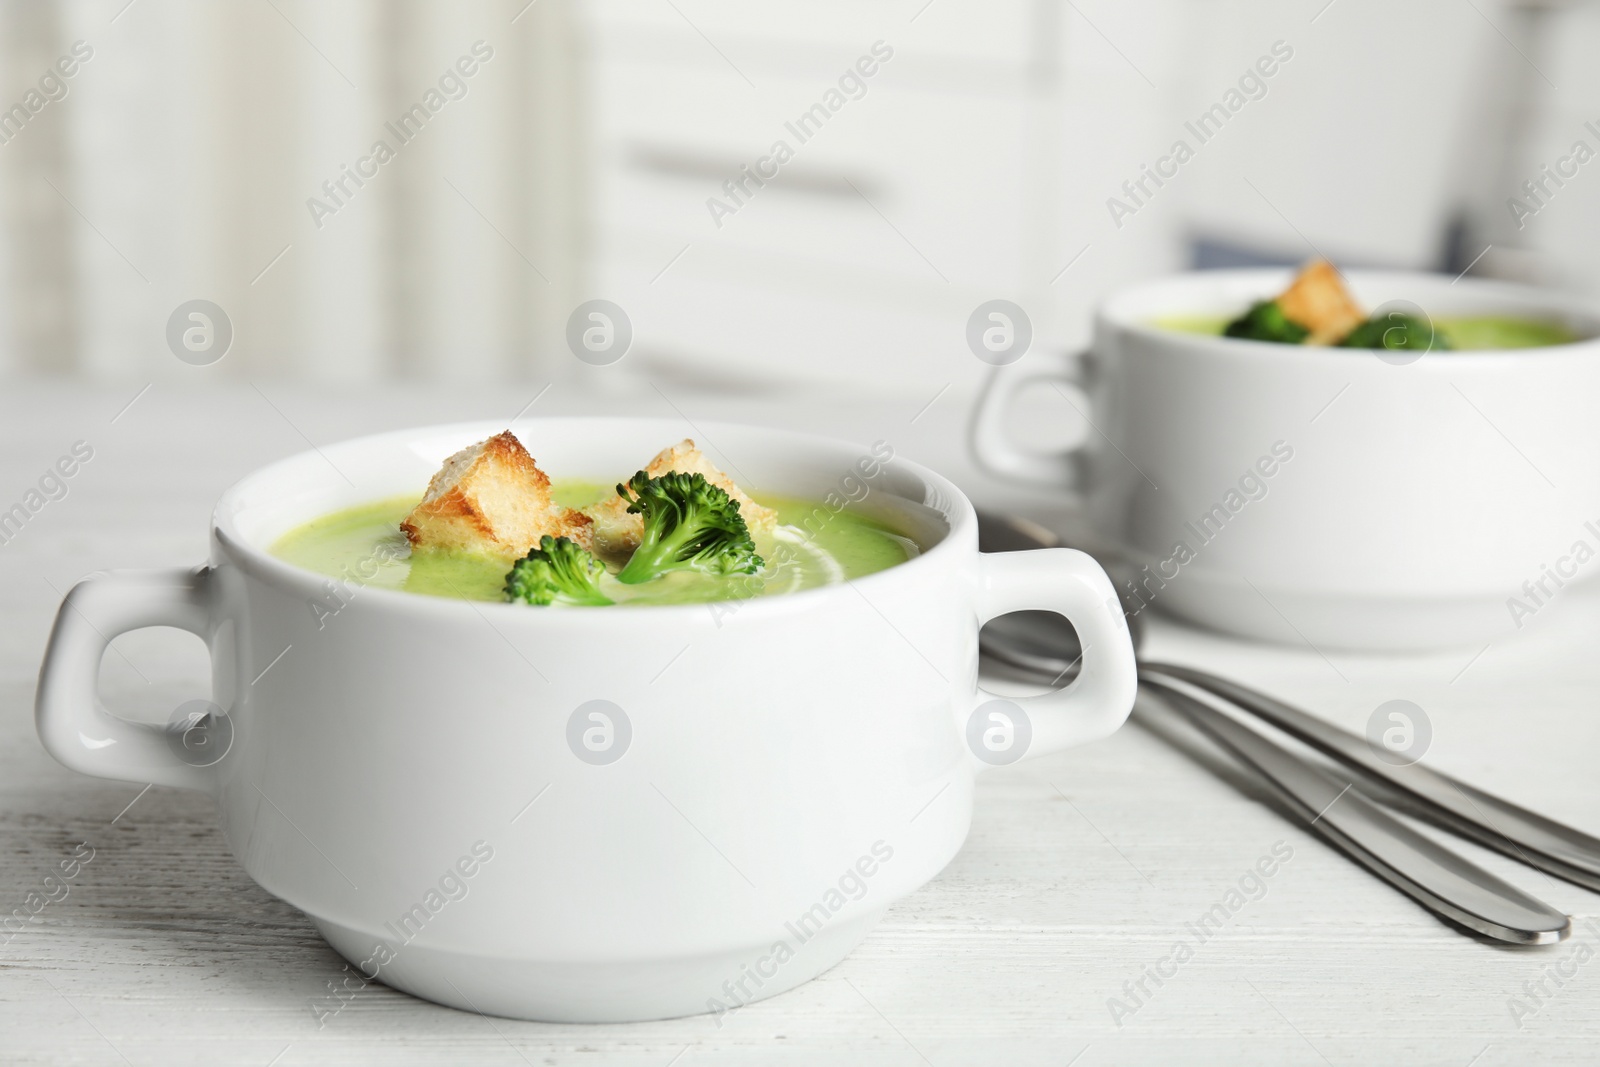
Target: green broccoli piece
(689,524)
(1395,332)
(1266,322)
(558,571)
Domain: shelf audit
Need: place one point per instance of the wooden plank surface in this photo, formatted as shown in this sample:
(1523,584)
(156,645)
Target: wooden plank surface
(1082,870)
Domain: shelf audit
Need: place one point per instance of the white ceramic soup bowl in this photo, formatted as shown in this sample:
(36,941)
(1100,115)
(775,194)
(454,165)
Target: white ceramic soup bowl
(589,814)
(1342,497)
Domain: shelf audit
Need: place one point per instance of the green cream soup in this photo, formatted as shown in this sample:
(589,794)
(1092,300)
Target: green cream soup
(1465,333)
(365,545)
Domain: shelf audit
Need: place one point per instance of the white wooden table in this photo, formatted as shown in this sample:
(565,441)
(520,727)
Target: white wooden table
(1081,870)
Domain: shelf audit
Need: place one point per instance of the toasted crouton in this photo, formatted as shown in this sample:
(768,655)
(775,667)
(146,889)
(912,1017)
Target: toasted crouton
(1318,300)
(491,498)
(617,533)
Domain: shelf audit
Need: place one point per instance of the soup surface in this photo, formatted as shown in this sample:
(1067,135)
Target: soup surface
(1466,333)
(364,544)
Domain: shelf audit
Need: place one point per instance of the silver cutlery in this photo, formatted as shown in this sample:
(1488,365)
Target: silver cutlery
(1419,867)
(1043,646)
(1454,805)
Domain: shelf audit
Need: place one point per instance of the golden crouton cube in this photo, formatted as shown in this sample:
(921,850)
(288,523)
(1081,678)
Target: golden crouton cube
(1318,300)
(492,499)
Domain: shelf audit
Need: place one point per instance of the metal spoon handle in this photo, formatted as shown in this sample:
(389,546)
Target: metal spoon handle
(1433,876)
(1458,807)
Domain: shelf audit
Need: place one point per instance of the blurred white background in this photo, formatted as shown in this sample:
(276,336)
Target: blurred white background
(578,160)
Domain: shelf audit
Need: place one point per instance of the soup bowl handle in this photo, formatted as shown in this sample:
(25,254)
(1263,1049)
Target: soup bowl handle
(989,434)
(72,722)
(1003,730)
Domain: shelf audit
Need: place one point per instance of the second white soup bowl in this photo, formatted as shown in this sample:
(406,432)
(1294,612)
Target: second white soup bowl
(1345,498)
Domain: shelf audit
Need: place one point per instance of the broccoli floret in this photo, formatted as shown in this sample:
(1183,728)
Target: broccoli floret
(558,571)
(1266,322)
(689,524)
(1395,332)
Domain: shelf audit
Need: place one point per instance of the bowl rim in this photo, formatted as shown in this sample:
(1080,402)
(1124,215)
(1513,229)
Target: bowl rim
(256,560)
(1114,313)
